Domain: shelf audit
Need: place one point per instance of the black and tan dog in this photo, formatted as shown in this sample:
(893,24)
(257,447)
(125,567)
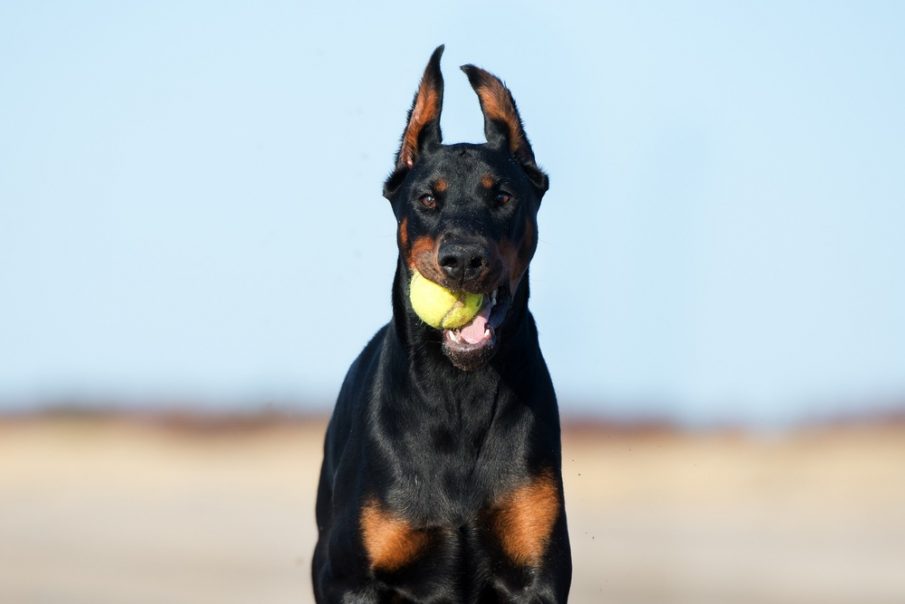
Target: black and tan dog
(441,478)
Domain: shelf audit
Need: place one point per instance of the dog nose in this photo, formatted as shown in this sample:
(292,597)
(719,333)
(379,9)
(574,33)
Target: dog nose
(462,261)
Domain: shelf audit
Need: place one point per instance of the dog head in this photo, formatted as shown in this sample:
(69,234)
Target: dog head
(467,213)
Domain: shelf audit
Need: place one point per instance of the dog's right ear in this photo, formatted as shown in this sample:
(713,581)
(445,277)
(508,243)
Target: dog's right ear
(422,129)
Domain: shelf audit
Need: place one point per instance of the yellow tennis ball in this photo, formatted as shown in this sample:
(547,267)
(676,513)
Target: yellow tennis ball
(440,307)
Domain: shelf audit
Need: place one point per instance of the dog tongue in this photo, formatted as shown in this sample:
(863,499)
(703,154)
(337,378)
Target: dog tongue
(473,333)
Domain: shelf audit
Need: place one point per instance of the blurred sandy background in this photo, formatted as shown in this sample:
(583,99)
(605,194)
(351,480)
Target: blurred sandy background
(123,511)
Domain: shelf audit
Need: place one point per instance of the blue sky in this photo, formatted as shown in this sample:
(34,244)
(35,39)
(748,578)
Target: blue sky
(190,200)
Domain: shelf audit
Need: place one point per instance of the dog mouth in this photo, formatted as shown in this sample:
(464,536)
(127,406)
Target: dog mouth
(480,334)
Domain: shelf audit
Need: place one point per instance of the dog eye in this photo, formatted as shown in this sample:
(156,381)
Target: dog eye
(428,201)
(502,198)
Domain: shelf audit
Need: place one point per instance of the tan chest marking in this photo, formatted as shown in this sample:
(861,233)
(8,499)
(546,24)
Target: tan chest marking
(523,519)
(390,542)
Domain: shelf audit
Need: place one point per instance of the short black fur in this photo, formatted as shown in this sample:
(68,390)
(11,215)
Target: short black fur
(441,479)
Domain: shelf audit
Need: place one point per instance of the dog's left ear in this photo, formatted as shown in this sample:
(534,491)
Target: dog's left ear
(502,123)
(422,128)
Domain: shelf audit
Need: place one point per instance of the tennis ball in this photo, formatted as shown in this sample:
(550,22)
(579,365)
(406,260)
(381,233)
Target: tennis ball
(440,307)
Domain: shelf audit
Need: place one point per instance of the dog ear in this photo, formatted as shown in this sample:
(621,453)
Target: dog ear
(502,123)
(422,129)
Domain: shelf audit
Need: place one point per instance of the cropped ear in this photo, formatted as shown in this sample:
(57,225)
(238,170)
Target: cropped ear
(502,123)
(422,129)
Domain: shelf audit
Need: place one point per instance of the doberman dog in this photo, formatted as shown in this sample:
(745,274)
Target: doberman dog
(441,479)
